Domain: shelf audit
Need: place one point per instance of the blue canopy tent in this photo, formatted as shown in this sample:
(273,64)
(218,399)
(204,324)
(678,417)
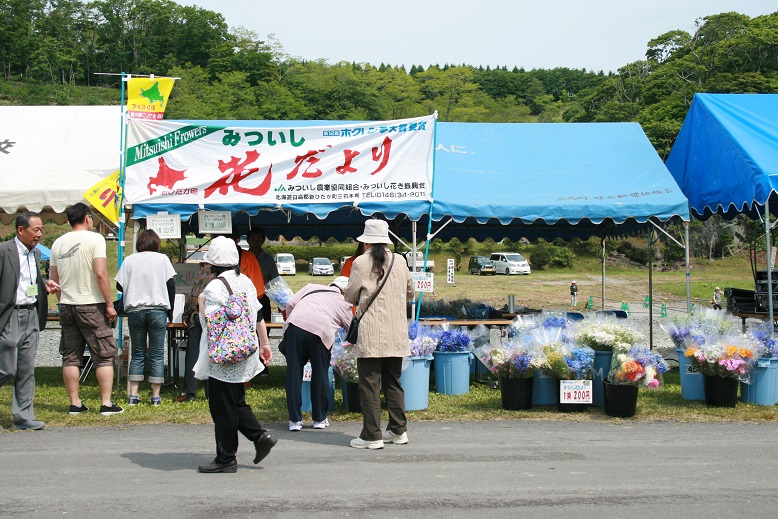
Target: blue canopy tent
(45,252)
(500,180)
(725,159)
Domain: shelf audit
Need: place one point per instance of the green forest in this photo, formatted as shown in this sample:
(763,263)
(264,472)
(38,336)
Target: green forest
(69,52)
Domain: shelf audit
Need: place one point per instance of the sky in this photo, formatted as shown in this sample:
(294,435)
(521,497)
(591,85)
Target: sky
(596,35)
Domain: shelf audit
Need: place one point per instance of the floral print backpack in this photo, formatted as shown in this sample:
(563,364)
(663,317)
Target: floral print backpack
(231,336)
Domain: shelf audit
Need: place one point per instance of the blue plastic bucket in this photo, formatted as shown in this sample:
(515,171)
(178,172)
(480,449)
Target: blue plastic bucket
(763,386)
(692,385)
(306,407)
(415,381)
(452,372)
(600,369)
(543,390)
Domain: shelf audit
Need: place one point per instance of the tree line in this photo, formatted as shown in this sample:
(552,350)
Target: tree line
(56,52)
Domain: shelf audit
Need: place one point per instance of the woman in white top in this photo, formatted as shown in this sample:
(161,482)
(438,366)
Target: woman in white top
(226,390)
(147,280)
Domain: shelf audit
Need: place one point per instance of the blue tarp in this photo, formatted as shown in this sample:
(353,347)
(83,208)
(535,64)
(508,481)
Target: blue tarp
(725,158)
(45,252)
(504,180)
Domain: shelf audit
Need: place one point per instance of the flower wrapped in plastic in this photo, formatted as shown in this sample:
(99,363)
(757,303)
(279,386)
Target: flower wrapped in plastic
(764,335)
(454,341)
(424,339)
(479,336)
(568,361)
(731,356)
(703,325)
(278,291)
(521,325)
(510,359)
(344,358)
(636,366)
(604,334)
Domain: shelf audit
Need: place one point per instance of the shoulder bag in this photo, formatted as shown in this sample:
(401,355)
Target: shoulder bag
(231,337)
(282,343)
(353,331)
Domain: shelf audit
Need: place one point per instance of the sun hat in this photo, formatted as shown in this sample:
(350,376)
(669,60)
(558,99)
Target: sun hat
(376,231)
(341,282)
(222,252)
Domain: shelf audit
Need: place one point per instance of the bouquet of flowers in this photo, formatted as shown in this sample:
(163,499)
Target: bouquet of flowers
(423,339)
(278,291)
(705,323)
(344,358)
(606,334)
(453,341)
(636,366)
(730,356)
(764,335)
(568,362)
(510,359)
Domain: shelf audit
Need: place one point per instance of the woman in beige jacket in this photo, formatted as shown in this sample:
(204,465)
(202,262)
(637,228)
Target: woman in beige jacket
(383,335)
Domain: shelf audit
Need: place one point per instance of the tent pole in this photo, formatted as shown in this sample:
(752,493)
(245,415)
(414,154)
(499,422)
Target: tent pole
(688,271)
(602,266)
(769,264)
(650,292)
(413,266)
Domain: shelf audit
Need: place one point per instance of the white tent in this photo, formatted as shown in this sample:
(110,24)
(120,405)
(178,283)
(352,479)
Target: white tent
(50,155)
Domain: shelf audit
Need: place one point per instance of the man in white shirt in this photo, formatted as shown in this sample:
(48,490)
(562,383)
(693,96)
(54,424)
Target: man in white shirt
(78,264)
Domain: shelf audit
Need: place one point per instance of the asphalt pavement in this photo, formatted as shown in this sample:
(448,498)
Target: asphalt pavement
(493,469)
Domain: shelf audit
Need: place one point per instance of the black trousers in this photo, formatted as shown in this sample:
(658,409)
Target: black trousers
(302,346)
(231,414)
(375,374)
(192,352)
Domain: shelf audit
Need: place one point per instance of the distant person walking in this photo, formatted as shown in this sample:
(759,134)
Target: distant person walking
(573,294)
(23,310)
(79,265)
(383,335)
(717,299)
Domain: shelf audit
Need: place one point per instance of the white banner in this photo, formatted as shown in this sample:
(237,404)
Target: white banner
(175,163)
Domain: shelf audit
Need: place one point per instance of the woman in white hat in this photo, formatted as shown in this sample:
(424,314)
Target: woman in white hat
(226,390)
(383,335)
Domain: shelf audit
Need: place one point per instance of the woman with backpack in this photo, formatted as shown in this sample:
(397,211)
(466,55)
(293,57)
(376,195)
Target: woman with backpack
(226,390)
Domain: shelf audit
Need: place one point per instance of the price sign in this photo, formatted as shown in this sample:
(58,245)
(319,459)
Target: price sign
(423,281)
(692,370)
(575,391)
(215,222)
(166,226)
(307,372)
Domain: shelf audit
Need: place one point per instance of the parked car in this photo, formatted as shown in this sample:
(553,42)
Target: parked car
(510,263)
(481,265)
(419,262)
(320,267)
(285,264)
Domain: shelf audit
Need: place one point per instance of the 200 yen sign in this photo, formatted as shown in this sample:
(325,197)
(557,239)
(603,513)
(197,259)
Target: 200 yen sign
(423,281)
(575,391)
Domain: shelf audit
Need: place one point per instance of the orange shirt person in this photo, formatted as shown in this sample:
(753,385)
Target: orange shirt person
(346,270)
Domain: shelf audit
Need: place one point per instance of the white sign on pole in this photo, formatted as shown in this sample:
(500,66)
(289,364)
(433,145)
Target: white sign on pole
(575,391)
(450,271)
(423,281)
(167,226)
(215,222)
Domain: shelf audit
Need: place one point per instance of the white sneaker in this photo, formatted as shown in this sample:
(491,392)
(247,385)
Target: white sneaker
(295,426)
(359,443)
(399,439)
(321,425)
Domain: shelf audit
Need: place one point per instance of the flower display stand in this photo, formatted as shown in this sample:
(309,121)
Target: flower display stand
(543,392)
(452,372)
(306,391)
(691,379)
(720,391)
(567,408)
(600,369)
(516,393)
(350,392)
(415,381)
(620,399)
(763,386)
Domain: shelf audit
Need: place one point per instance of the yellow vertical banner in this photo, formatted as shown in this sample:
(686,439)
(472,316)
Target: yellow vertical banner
(104,196)
(148,97)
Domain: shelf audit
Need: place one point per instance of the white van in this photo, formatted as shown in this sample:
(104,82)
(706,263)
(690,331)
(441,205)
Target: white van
(509,263)
(285,264)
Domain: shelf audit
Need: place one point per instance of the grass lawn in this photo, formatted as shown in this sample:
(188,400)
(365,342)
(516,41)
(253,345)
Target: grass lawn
(267,398)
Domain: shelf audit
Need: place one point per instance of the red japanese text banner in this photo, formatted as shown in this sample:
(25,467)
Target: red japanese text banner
(170,162)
